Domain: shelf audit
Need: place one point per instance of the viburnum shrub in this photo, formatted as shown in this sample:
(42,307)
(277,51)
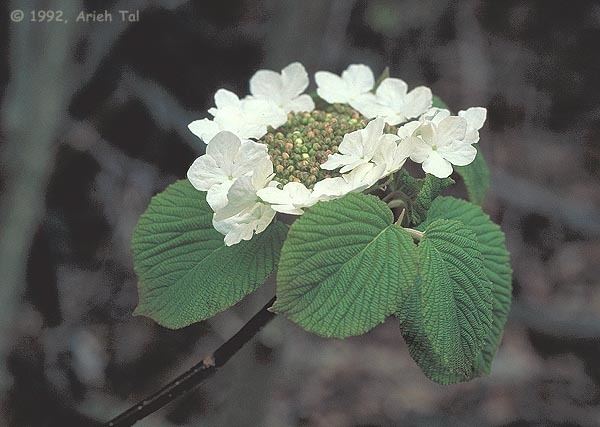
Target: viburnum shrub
(370,240)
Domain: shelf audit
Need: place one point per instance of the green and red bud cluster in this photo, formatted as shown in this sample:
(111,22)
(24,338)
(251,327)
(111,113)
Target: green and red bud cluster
(305,141)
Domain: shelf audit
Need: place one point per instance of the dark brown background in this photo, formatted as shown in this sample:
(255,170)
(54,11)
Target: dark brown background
(94,122)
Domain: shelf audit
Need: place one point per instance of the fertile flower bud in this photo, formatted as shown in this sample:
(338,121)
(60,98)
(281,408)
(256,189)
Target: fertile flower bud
(304,142)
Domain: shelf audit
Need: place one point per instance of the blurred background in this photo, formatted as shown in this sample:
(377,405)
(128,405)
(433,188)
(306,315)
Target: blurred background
(93,123)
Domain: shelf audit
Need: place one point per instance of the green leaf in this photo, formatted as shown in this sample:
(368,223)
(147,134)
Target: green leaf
(408,184)
(186,273)
(430,189)
(438,103)
(448,318)
(344,267)
(496,264)
(476,177)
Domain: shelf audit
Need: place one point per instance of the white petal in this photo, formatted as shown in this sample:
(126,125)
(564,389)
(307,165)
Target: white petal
(408,129)
(371,134)
(287,209)
(299,104)
(418,101)
(265,217)
(329,188)
(238,233)
(391,92)
(295,80)
(436,165)
(223,149)
(298,193)
(389,154)
(360,77)
(475,117)
(226,98)
(274,196)
(427,132)
(419,149)
(204,129)
(366,104)
(352,143)
(458,153)
(335,161)
(243,226)
(204,173)
(241,196)
(435,115)
(449,129)
(385,150)
(267,84)
(284,200)
(262,174)
(263,112)
(331,87)
(351,165)
(404,149)
(235,229)
(248,156)
(364,176)
(216,197)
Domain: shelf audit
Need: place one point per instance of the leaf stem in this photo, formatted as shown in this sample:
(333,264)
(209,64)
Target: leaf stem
(416,234)
(189,380)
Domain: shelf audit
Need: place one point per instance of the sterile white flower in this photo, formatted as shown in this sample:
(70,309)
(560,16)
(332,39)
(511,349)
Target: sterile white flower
(392,102)
(364,176)
(475,117)
(408,129)
(361,178)
(290,199)
(354,82)
(284,89)
(227,158)
(440,145)
(391,154)
(358,147)
(245,214)
(434,115)
(246,118)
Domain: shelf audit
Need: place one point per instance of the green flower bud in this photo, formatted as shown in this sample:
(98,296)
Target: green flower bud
(304,142)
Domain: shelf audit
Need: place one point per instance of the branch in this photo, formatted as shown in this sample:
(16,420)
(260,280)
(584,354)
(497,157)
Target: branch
(192,378)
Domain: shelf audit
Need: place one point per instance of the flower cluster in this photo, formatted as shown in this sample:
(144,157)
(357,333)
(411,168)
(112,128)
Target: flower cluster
(272,151)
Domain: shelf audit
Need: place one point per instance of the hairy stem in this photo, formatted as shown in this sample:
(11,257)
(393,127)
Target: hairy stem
(198,373)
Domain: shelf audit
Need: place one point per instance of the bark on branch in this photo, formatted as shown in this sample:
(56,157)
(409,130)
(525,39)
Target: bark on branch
(198,373)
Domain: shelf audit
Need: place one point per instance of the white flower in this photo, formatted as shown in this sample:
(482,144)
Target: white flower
(355,81)
(290,200)
(391,154)
(440,145)
(408,129)
(435,115)
(284,89)
(243,226)
(358,147)
(226,159)
(364,176)
(475,117)
(361,178)
(245,214)
(246,118)
(392,102)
